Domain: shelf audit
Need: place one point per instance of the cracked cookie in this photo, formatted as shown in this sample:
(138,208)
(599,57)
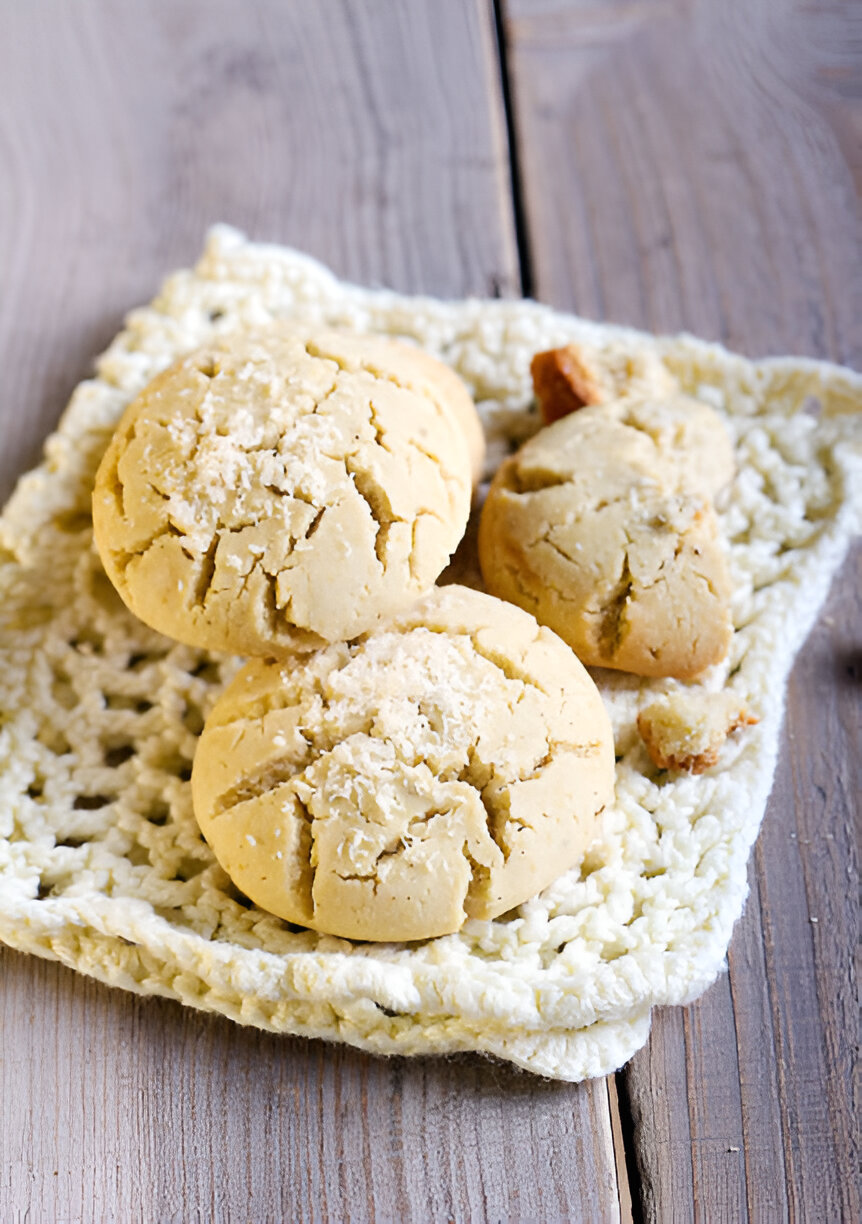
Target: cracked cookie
(277,490)
(451,764)
(602,527)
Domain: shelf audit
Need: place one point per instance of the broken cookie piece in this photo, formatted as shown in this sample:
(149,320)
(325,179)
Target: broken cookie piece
(603,528)
(283,488)
(451,764)
(578,375)
(686,730)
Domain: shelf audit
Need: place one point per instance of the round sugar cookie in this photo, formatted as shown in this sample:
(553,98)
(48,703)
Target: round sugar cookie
(450,764)
(602,526)
(273,492)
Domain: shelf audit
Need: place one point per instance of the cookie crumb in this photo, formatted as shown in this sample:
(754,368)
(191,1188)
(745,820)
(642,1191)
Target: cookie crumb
(579,375)
(685,731)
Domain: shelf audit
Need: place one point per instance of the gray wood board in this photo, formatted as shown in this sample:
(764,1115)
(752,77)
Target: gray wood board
(693,167)
(121,1108)
(374,138)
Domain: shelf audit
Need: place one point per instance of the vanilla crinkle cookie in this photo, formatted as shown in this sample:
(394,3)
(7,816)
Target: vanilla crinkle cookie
(602,526)
(450,764)
(280,489)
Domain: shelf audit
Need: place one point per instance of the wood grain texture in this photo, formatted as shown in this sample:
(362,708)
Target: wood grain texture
(743,1104)
(695,166)
(139,1109)
(707,186)
(373,137)
(372,140)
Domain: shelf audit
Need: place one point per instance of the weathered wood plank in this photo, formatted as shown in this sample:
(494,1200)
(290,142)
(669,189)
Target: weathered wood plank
(751,1089)
(140,1109)
(809,852)
(372,140)
(373,137)
(693,166)
(677,175)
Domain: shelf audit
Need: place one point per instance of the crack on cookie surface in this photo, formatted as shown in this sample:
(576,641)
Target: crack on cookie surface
(206,572)
(220,470)
(401,742)
(613,624)
(593,520)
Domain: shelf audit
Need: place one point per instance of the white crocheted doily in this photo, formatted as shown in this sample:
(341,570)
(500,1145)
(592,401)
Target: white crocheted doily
(101,862)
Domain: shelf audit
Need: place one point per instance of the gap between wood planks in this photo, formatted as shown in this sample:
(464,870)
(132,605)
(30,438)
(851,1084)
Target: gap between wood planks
(522,236)
(622,1120)
(622,1131)
(687,167)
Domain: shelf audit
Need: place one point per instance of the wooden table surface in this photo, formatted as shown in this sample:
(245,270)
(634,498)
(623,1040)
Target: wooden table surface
(669,163)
